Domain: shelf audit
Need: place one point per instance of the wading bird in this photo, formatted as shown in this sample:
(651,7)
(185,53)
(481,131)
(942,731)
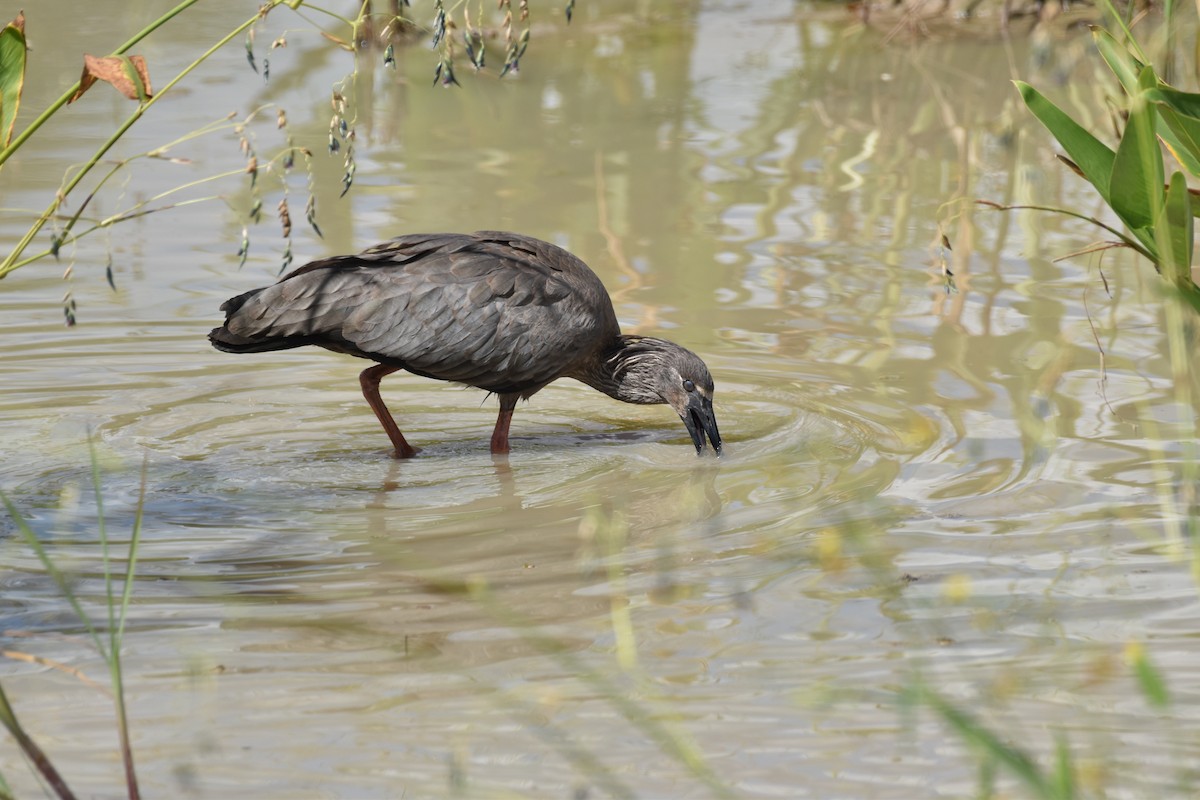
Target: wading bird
(500,311)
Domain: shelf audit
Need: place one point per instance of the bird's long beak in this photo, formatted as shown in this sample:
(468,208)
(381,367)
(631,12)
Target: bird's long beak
(699,419)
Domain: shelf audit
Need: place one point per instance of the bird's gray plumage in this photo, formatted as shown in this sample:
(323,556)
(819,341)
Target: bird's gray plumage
(501,311)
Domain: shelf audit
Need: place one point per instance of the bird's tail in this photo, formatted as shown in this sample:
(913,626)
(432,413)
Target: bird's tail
(224,339)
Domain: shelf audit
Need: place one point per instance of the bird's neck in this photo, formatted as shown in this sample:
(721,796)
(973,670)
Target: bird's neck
(614,370)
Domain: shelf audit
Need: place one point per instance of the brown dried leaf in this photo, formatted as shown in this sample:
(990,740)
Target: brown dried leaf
(342,43)
(127,74)
(1071,165)
(281,119)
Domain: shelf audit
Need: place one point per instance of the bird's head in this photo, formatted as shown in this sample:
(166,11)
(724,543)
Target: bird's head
(658,371)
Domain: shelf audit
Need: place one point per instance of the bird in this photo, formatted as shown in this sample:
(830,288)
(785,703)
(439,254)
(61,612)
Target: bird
(503,312)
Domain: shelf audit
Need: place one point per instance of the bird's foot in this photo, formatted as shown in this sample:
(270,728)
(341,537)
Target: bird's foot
(408,451)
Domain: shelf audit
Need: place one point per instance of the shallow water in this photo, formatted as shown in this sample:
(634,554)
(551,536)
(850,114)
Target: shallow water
(920,483)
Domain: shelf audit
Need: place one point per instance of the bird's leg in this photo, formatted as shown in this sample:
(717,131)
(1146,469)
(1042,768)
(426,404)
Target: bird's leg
(500,435)
(369,379)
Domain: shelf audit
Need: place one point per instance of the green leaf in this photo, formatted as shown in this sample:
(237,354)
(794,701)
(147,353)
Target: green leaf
(1016,760)
(12,75)
(1145,235)
(1180,111)
(1119,60)
(1148,677)
(1092,156)
(1135,189)
(1182,137)
(1175,232)
(1181,134)
(1064,775)
(1116,18)
(1186,103)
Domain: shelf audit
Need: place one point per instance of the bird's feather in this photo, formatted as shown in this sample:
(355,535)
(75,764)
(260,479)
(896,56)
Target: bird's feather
(500,311)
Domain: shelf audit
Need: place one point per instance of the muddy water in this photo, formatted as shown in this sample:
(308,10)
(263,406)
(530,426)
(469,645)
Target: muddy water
(922,481)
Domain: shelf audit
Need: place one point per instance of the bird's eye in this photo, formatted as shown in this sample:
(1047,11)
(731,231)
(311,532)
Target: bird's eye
(689,386)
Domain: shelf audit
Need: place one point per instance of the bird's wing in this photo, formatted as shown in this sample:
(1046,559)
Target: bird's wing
(448,306)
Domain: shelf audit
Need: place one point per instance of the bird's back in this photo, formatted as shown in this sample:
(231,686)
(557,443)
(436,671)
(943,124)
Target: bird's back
(501,311)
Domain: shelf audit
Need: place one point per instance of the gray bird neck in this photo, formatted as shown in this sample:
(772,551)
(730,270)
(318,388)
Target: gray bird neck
(620,372)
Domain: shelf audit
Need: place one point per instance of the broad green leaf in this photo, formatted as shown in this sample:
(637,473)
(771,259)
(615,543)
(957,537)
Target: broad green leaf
(1119,59)
(1175,232)
(12,75)
(1091,155)
(1135,190)
(1186,103)
(1181,136)
(1181,113)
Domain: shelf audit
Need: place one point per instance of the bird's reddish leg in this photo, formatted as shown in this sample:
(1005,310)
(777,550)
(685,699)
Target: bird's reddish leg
(369,379)
(500,435)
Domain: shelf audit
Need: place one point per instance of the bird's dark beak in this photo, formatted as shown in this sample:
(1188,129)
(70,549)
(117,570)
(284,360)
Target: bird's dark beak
(699,419)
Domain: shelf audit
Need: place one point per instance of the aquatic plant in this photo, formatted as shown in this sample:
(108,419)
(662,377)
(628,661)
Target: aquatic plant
(131,75)
(107,641)
(1157,211)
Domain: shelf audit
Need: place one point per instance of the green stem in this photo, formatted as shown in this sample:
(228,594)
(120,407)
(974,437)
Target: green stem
(70,92)
(117,680)
(10,262)
(123,217)
(1127,241)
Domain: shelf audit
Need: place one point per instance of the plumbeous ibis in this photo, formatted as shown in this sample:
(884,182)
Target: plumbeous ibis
(501,311)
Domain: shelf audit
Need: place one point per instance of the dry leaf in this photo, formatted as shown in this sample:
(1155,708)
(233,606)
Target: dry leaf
(13,49)
(127,74)
(342,43)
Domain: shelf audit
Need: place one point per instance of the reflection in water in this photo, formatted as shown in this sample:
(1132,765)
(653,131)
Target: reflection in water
(922,476)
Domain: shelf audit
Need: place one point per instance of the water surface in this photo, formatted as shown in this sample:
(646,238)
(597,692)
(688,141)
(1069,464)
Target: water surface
(972,483)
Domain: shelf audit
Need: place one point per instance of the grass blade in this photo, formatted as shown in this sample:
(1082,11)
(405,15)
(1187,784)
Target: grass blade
(1064,775)
(980,737)
(1149,679)
(40,761)
(35,544)
(115,665)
